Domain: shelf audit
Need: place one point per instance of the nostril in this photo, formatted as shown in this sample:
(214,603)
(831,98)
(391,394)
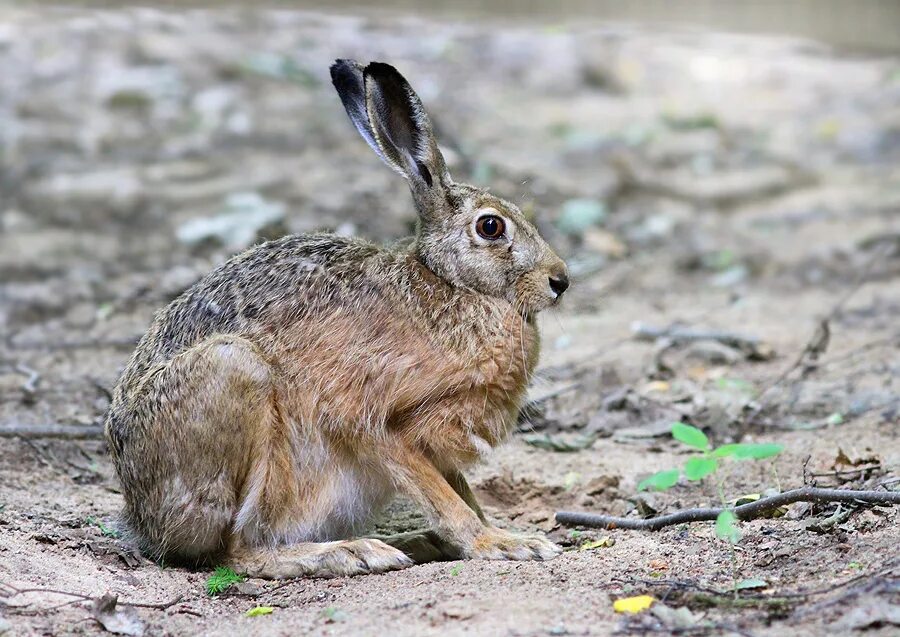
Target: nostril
(559,284)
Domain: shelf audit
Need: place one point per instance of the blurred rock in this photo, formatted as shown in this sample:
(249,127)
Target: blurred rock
(246,215)
(86,198)
(605,243)
(580,214)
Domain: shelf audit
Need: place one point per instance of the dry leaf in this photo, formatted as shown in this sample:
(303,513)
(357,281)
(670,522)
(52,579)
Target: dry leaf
(121,620)
(603,542)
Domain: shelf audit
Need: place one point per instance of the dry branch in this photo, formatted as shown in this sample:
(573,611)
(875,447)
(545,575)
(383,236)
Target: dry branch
(69,432)
(749,511)
(8,591)
(679,334)
(819,340)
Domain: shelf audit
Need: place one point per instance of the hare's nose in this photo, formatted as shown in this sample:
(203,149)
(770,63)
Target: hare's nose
(559,283)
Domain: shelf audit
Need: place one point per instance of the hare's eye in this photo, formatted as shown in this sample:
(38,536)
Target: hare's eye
(490,227)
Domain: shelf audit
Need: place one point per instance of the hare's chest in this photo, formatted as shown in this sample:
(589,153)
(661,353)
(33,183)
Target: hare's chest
(507,359)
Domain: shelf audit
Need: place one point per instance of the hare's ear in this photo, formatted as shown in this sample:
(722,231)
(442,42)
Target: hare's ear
(390,117)
(347,77)
(403,132)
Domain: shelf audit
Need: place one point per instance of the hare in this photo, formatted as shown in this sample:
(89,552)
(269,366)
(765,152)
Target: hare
(272,409)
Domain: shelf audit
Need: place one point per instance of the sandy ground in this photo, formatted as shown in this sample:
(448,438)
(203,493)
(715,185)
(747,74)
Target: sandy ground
(745,184)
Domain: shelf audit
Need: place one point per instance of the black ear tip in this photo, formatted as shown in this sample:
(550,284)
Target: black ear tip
(343,67)
(381,70)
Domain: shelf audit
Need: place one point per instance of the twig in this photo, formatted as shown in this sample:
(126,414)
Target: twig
(69,432)
(818,341)
(29,387)
(748,511)
(679,334)
(553,394)
(886,569)
(15,591)
(124,343)
(848,473)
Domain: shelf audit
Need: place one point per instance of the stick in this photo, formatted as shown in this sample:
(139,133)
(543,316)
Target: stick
(749,511)
(29,386)
(69,432)
(818,342)
(15,591)
(678,334)
(124,343)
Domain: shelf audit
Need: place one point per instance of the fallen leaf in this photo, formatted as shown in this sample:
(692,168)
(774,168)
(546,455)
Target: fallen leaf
(871,612)
(842,459)
(750,583)
(676,618)
(332,615)
(552,443)
(603,542)
(256,611)
(121,620)
(633,605)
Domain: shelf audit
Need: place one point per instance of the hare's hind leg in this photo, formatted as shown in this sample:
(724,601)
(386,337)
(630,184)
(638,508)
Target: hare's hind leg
(183,445)
(209,474)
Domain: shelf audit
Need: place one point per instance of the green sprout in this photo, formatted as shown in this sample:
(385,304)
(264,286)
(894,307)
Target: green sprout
(704,462)
(104,529)
(221,580)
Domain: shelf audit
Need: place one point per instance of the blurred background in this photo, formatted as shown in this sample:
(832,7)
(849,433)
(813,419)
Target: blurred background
(717,156)
(727,167)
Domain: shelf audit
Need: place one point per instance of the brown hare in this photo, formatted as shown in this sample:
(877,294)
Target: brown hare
(275,406)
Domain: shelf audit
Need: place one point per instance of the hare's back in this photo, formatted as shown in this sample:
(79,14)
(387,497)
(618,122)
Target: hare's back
(263,291)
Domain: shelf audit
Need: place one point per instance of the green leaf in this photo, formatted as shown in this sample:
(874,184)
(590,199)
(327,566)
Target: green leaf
(699,467)
(751,582)
(660,481)
(726,527)
(690,436)
(259,610)
(759,451)
(456,570)
(725,451)
(837,418)
(747,451)
(221,580)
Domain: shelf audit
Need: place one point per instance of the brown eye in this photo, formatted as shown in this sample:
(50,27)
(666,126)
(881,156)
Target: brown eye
(490,227)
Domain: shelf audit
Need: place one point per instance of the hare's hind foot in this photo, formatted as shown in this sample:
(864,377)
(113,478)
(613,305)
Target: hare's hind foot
(324,559)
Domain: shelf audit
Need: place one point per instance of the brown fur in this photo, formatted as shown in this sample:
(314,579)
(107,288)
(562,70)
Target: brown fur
(274,407)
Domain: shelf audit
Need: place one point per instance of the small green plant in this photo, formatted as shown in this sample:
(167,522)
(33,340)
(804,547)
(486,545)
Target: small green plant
(705,462)
(104,529)
(332,614)
(456,570)
(221,580)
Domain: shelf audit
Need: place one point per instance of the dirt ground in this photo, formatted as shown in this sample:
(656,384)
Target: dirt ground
(738,183)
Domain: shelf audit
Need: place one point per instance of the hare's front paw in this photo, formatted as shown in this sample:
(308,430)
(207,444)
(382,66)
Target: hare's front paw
(496,544)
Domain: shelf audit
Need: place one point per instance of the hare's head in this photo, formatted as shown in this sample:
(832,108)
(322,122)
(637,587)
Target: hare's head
(466,235)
